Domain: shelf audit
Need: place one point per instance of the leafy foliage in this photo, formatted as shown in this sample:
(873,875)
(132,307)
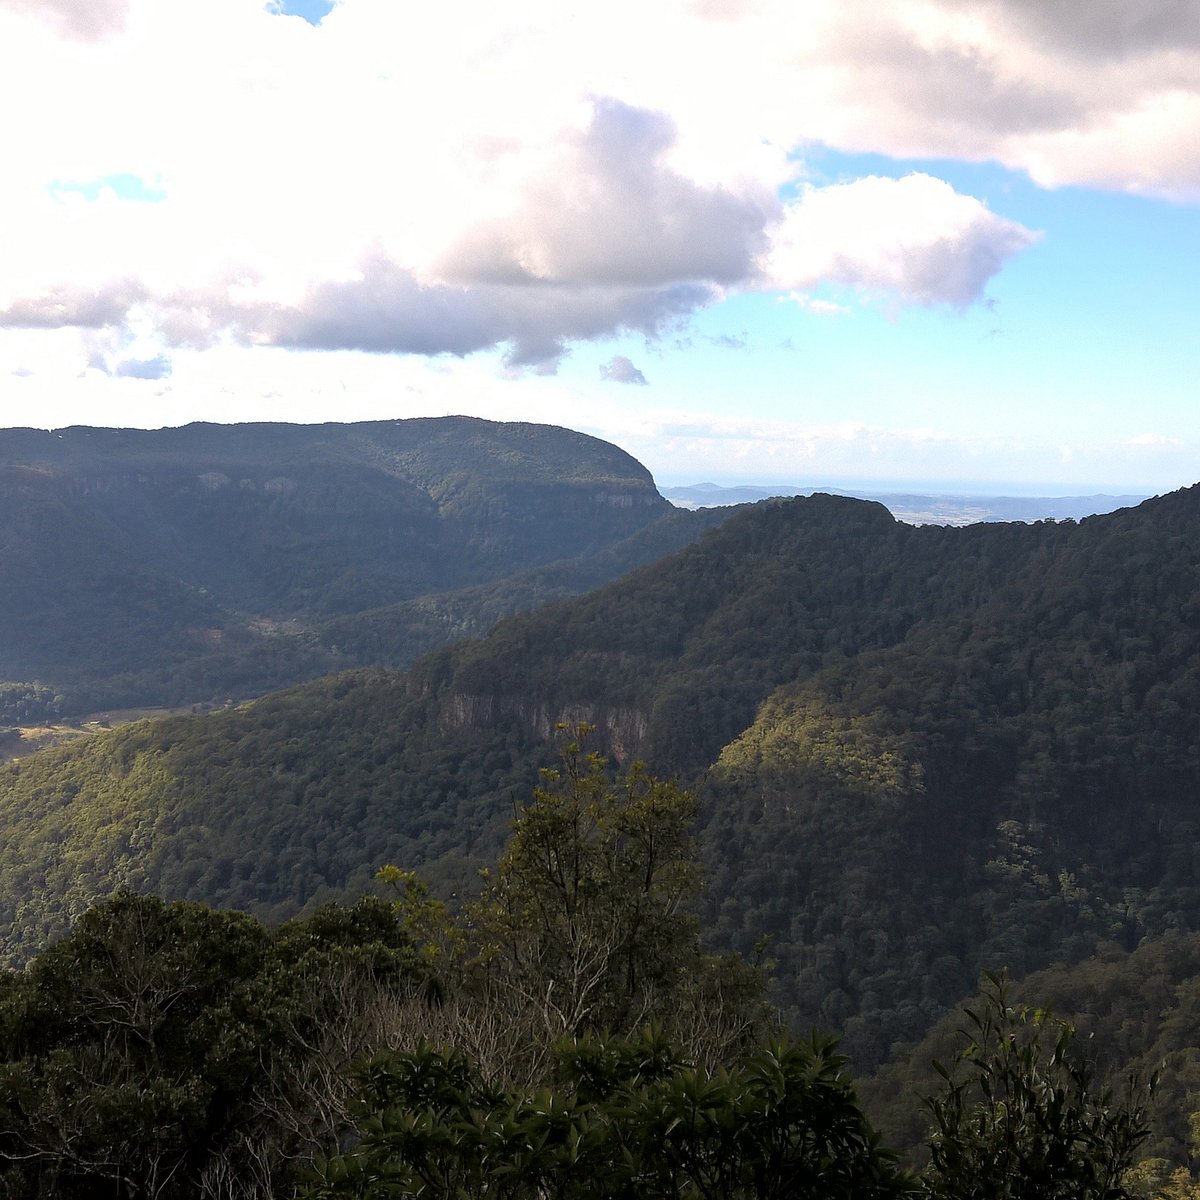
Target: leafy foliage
(1136,1013)
(24,702)
(1022,1117)
(586,924)
(586,914)
(167,1050)
(627,1118)
(172,1050)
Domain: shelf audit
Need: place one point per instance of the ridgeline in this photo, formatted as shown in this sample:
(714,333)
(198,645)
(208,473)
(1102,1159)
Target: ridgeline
(190,566)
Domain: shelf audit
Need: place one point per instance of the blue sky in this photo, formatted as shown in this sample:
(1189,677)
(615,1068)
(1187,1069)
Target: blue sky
(1080,368)
(914,243)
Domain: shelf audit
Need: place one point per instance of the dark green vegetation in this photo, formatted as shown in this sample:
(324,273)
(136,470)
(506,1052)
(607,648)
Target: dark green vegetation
(630,1119)
(562,1036)
(183,565)
(172,1050)
(622,1119)
(177,1051)
(1022,1116)
(1137,1013)
(918,753)
(921,752)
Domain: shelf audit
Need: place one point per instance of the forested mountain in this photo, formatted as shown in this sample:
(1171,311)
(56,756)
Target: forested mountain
(180,565)
(919,752)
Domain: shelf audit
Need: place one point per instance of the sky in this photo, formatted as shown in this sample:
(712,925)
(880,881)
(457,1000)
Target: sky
(948,244)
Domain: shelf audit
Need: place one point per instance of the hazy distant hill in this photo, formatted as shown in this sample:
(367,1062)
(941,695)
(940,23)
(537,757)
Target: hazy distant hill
(177,565)
(920,751)
(919,508)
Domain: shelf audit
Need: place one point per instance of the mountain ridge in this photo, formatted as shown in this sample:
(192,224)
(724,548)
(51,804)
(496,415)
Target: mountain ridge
(200,563)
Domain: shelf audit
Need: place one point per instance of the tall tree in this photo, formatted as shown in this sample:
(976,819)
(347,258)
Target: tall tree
(586,916)
(586,924)
(1023,1115)
(626,1119)
(169,1050)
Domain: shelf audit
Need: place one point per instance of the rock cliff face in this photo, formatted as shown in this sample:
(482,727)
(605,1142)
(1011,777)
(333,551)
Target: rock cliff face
(619,730)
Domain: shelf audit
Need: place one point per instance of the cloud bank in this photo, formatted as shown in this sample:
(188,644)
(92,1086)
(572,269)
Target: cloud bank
(447,182)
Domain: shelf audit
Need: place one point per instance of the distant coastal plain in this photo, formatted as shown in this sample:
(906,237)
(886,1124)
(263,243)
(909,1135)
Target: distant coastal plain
(917,508)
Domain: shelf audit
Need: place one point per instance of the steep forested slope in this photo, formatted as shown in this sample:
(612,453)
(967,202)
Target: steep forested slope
(920,751)
(1008,785)
(1136,1014)
(176,565)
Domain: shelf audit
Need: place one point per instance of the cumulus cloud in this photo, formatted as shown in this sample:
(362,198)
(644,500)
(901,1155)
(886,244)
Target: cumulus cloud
(620,369)
(1091,92)
(943,90)
(67,304)
(915,237)
(1103,29)
(607,209)
(387,309)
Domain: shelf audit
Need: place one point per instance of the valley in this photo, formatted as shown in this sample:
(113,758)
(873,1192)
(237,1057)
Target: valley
(198,565)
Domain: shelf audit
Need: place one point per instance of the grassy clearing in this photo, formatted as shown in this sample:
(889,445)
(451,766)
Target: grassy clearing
(29,739)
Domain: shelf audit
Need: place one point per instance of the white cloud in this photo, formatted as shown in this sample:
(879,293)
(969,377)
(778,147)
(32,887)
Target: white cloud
(385,308)
(607,209)
(1153,440)
(78,306)
(1104,29)
(600,236)
(85,20)
(915,237)
(1087,92)
(620,369)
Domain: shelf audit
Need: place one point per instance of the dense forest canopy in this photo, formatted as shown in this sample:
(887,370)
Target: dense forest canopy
(175,566)
(562,1035)
(918,752)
